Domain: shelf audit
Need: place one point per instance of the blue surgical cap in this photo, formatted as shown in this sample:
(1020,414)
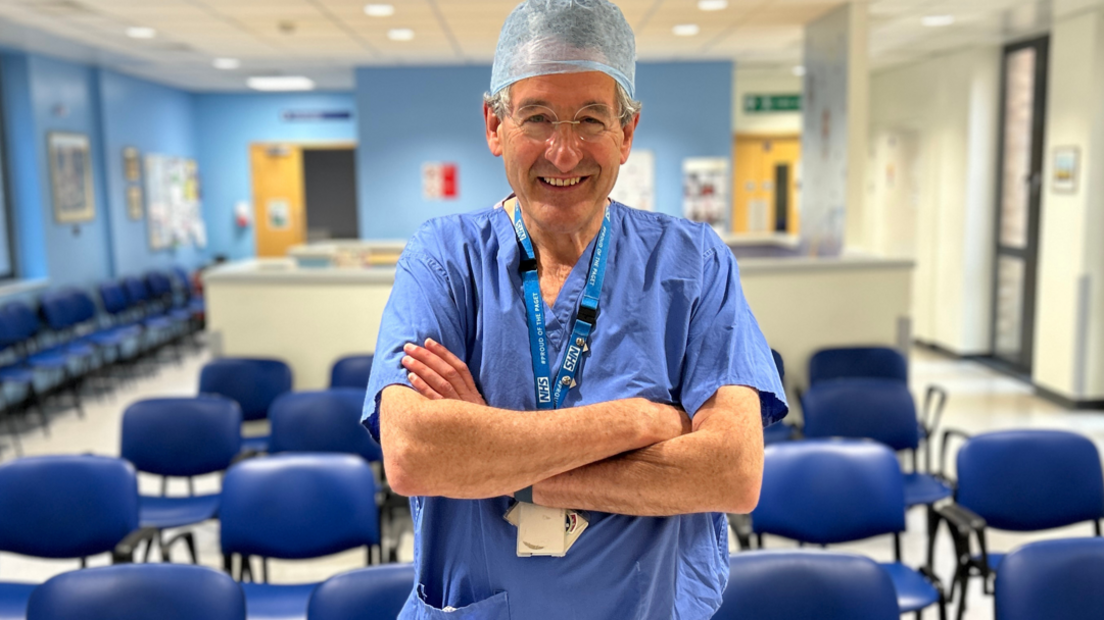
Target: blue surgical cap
(544,37)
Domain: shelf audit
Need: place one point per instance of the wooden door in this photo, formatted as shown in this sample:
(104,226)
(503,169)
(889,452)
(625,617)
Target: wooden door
(765,187)
(279,215)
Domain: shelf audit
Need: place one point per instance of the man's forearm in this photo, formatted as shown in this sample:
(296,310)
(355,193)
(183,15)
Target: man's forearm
(465,451)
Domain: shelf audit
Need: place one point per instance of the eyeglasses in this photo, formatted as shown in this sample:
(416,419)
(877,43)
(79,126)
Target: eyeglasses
(539,122)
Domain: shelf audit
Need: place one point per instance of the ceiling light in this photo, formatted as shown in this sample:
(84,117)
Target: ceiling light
(798,70)
(141,32)
(936,21)
(400,34)
(226,63)
(685,30)
(712,5)
(280,82)
(379,10)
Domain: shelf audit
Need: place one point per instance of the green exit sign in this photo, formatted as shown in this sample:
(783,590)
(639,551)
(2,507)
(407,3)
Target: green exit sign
(757,104)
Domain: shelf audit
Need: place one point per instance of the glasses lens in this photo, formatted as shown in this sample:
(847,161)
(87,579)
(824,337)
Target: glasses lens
(539,122)
(536,121)
(593,121)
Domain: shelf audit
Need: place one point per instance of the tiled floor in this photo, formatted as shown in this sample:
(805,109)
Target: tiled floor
(980,399)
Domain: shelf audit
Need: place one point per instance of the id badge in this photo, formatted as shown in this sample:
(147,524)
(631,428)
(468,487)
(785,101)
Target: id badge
(541,530)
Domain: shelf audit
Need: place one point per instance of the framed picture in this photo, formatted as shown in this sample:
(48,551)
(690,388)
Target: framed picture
(71,177)
(132,167)
(1066,161)
(134,202)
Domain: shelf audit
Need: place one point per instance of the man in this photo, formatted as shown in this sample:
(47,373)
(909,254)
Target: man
(583,356)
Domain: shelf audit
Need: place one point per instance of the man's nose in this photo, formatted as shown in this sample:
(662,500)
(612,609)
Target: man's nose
(565,150)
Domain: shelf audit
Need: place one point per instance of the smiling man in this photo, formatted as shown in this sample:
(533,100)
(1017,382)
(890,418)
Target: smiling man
(571,391)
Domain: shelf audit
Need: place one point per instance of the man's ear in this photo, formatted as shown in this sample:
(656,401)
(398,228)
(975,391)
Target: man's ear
(493,123)
(629,131)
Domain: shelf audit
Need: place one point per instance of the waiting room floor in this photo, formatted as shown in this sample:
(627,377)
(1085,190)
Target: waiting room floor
(980,399)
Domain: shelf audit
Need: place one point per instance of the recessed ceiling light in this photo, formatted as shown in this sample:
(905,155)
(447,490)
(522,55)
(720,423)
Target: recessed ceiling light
(712,5)
(226,63)
(280,82)
(379,10)
(141,32)
(400,34)
(935,21)
(798,70)
(685,30)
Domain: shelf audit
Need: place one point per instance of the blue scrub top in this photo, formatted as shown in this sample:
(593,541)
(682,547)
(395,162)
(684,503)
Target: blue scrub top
(673,328)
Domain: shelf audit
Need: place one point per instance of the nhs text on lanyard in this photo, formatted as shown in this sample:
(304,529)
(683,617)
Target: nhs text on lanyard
(550,395)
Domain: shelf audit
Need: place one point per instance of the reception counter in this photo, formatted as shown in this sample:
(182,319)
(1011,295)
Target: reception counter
(312,316)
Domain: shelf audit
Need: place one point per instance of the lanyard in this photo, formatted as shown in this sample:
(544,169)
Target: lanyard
(552,395)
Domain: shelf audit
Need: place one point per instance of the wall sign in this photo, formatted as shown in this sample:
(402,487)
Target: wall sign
(1065,169)
(316,115)
(765,104)
(440,181)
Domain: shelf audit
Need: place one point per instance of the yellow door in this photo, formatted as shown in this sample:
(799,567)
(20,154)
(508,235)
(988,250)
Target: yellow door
(279,215)
(762,163)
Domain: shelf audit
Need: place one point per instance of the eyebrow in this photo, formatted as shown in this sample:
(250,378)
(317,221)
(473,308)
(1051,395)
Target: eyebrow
(543,102)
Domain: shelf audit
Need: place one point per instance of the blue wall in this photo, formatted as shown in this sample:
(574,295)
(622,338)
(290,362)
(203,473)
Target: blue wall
(227,125)
(409,116)
(153,119)
(24,191)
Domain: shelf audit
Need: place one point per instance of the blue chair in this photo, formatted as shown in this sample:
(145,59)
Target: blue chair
(1017,481)
(1059,579)
(799,585)
(352,371)
(373,593)
(833,491)
(66,507)
(325,421)
(138,592)
(294,506)
(181,437)
(857,362)
(60,368)
(253,383)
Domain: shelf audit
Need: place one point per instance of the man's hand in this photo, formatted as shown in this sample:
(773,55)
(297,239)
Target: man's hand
(436,373)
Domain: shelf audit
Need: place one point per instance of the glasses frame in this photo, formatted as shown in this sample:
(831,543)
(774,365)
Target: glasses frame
(519,120)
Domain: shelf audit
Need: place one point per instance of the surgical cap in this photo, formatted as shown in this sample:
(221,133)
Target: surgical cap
(544,37)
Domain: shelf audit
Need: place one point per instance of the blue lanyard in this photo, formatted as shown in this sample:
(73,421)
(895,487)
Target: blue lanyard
(551,395)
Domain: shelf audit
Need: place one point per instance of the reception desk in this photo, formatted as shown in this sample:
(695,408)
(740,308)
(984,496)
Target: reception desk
(310,317)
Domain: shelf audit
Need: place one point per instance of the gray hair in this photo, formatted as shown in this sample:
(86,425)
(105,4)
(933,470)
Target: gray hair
(499,103)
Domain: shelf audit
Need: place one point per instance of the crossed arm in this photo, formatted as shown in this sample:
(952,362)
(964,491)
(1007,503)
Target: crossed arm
(627,456)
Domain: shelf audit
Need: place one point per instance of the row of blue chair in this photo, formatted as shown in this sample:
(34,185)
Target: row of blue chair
(1060,579)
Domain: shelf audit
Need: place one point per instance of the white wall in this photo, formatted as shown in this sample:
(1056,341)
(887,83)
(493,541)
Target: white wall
(1069,326)
(947,107)
(764,81)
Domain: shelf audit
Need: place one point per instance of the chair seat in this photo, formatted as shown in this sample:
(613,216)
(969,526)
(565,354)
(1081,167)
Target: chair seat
(114,336)
(923,489)
(180,315)
(776,433)
(78,349)
(914,592)
(48,359)
(157,322)
(277,602)
(256,444)
(16,374)
(165,512)
(994,560)
(13,600)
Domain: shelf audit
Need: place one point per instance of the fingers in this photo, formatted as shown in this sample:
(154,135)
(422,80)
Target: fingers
(423,388)
(424,365)
(453,361)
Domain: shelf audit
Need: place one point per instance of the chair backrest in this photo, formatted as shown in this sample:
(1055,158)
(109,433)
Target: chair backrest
(326,421)
(797,585)
(59,308)
(185,282)
(66,506)
(83,308)
(182,436)
(159,284)
(351,372)
(1052,579)
(295,506)
(373,593)
(114,298)
(857,362)
(135,289)
(139,592)
(829,491)
(878,409)
(253,383)
(20,320)
(1026,480)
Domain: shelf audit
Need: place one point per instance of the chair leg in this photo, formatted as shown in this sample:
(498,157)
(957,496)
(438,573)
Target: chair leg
(17,444)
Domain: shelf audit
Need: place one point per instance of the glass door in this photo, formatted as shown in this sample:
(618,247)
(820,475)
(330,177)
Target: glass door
(1018,193)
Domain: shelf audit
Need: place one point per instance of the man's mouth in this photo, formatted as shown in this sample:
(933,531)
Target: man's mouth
(562,182)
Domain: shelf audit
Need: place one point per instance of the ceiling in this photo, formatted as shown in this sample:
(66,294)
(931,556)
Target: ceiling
(326,39)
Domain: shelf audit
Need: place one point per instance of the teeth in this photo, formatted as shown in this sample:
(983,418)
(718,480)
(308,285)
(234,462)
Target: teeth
(562,182)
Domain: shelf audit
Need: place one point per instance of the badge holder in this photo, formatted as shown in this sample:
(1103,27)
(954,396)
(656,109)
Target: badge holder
(544,531)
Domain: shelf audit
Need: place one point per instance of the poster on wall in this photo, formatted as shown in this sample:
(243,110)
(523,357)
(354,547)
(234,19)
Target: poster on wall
(278,214)
(132,167)
(635,184)
(440,181)
(705,190)
(134,202)
(71,177)
(172,191)
(1065,169)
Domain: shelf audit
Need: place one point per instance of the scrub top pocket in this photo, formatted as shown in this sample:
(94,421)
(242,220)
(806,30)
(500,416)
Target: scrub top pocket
(496,607)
